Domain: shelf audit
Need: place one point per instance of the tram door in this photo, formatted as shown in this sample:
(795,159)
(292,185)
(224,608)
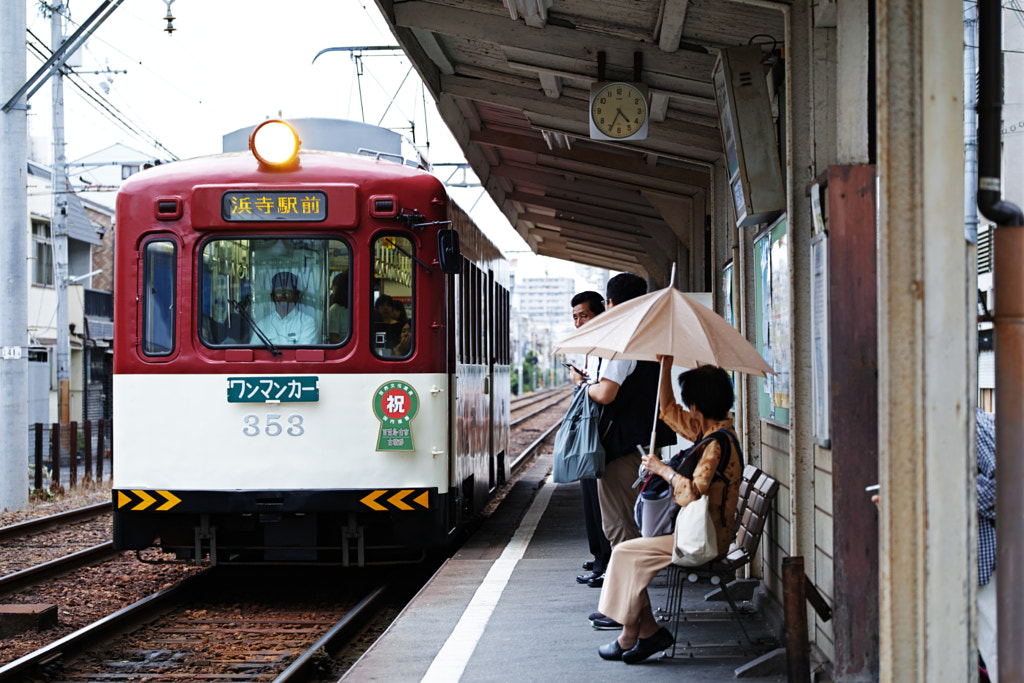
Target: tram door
(490,344)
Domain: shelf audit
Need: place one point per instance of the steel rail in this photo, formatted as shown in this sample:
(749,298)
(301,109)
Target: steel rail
(525,401)
(335,638)
(528,451)
(34,526)
(122,619)
(520,420)
(61,565)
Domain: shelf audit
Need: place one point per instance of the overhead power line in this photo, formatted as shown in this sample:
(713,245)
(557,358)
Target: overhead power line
(98,101)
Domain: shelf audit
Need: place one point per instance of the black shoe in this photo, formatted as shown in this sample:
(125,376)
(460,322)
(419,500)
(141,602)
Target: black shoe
(645,647)
(604,623)
(589,566)
(587,578)
(595,582)
(612,651)
(595,615)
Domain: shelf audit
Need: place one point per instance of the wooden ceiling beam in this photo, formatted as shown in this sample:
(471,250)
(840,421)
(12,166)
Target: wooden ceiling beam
(702,142)
(662,144)
(580,189)
(578,250)
(593,157)
(585,231)
(625,178)
(580,173)
(673,17)
(581,211)
(663,86)
(492,28)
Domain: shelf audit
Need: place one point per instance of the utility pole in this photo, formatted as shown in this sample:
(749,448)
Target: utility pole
(970,121)
(13,269)
(14,235)
(58,220)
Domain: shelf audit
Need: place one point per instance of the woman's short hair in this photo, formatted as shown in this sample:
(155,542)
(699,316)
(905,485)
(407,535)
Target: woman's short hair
(709,389)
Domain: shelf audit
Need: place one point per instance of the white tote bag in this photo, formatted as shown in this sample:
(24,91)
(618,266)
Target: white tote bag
(696,542)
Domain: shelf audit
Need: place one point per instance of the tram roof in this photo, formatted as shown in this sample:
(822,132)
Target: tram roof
(513,82)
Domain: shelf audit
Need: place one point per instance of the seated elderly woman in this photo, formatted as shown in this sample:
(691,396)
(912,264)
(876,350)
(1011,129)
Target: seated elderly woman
(708,396)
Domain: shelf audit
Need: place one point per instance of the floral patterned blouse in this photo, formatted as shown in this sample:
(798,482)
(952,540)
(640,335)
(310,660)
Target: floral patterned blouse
(685,491)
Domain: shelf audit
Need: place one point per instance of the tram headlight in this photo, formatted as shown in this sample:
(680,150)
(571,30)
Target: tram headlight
(274,143)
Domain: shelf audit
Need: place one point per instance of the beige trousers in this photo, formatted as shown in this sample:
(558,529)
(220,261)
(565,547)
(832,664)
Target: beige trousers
(633,566)
(617,496)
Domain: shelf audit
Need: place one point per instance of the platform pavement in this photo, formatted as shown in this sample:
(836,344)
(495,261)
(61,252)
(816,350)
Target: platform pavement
(505,607)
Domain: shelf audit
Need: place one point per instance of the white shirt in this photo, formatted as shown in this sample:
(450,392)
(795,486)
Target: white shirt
(337,316)
(612,370)
(294,329)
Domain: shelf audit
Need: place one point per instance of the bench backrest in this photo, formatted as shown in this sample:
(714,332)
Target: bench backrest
(759,501)
(750,475)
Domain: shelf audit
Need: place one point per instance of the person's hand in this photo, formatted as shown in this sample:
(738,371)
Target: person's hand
(653,464)
(405,341)
(576,377)
(875,499)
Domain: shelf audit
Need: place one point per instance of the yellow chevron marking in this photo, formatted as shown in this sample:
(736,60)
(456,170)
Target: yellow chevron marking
(147,500)
(172,500)
(371,500)
(423,499)
(122,499)
(397,501)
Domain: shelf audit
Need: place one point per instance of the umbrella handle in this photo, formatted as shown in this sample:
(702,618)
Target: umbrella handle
(657,406)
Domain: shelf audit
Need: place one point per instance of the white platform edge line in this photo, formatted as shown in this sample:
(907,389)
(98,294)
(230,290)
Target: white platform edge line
(451,660)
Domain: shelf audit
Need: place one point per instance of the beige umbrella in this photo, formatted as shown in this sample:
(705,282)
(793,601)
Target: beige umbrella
(666,323)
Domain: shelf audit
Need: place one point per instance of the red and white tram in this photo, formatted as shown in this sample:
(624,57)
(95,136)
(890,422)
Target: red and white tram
(299,373)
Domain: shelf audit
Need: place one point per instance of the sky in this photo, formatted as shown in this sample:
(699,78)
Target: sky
(233,63)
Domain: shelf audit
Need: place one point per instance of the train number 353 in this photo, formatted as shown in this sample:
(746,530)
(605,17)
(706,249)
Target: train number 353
(272,425)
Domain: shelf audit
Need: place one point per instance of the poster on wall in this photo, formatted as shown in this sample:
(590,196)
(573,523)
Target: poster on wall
(820,340)
(772,308)
(780,307)
(727,294)
(727,303)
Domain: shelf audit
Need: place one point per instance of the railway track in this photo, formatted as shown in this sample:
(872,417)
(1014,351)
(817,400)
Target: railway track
(558,398)
(536,397)
(531,431)
(35,526)
(216,625)
(175,646)
(35,550)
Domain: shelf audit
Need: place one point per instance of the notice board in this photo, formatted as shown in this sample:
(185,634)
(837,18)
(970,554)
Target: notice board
(772,297)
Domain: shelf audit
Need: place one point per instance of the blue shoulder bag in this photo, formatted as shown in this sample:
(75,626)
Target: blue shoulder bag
(578,450)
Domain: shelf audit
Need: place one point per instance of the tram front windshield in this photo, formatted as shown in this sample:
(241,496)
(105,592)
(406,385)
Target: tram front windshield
(275,291)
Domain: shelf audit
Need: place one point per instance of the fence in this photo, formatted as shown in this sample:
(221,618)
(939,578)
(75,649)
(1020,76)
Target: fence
(68,448)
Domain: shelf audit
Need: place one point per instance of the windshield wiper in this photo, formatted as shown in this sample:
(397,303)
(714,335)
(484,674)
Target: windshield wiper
(391,242)
(255,328)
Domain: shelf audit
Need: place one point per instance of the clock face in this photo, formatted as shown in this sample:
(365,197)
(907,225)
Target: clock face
(618,110)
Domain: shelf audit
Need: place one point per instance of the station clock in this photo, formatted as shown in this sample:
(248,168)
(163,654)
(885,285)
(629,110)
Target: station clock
(618,111)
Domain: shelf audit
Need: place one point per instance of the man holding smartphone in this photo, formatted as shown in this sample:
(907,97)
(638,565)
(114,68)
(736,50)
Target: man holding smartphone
(585,307)
(628,389)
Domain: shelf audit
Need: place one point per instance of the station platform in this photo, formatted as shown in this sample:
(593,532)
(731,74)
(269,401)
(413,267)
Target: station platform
(507,607)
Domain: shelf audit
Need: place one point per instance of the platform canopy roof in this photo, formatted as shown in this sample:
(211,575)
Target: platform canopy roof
(513,81)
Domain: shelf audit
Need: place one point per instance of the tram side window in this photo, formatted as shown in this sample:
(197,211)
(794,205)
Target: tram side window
(275,291)
(158,270)
(393,290)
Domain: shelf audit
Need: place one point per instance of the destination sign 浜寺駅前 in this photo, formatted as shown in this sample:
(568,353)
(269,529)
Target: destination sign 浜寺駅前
(248,206)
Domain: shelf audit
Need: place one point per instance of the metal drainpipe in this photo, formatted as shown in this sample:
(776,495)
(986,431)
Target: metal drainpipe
(1009,345)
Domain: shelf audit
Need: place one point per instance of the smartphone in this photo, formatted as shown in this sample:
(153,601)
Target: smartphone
(573,367)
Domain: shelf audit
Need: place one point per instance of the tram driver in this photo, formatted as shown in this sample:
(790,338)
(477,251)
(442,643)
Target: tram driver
(286,324)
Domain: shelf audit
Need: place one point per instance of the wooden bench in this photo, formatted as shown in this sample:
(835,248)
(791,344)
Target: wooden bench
(757,491)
